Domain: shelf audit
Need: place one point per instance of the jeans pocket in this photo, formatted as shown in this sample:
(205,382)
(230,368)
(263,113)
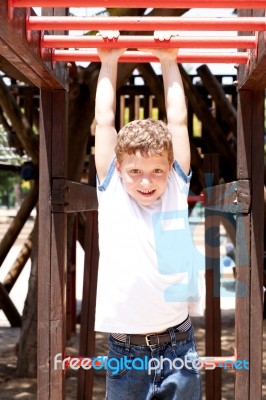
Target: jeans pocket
(119,360)
(187,358)
(192,362)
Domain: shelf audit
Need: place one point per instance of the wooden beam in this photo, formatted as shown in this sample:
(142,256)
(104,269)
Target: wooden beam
(68,196)
(213,309)
(249,250)
(25,56)
(233,197)
(52,247)
(257,244)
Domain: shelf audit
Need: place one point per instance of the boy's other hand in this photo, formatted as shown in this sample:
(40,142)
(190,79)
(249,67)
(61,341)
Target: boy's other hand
(163,52)
(164,35)
(109,53)
(112,34)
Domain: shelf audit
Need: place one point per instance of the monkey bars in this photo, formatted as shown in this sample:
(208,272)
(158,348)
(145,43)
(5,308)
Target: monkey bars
(240,4)
(56,43)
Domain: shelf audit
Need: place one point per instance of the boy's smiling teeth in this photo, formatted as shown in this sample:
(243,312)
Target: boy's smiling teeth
(147,191)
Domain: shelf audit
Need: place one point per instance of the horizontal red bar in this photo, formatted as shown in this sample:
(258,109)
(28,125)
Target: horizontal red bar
(245,4)
(146,23)
(227,362)
(196,199)
(138,57)
(61,41)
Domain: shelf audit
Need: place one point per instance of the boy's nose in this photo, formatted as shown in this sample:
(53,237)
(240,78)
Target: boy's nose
(145,180)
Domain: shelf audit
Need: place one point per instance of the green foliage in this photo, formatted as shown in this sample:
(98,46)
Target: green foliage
(8,180)
(7,153)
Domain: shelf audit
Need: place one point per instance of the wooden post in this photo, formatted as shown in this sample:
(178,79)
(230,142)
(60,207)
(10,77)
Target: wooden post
(213,312)
(71,317)
(249,258)
(87,334)
(52,246)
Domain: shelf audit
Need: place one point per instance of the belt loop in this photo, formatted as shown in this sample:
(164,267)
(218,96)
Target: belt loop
(127,343)
(172,336)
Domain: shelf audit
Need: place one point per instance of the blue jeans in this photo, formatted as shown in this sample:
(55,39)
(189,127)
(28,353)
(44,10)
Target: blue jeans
(165,372)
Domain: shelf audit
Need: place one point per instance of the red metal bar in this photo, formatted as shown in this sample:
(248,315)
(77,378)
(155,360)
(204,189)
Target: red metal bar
(222,362)
(146,23)
(196,199)
(61,41)
(245,4)
(138,57)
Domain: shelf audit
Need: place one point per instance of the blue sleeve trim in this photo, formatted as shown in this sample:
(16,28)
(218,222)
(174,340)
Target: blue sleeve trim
(103,186)
(186,178)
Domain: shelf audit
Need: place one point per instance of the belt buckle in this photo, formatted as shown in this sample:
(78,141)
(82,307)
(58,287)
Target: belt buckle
(147,338)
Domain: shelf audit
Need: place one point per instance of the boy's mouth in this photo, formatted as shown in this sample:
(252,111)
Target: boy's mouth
(146,192)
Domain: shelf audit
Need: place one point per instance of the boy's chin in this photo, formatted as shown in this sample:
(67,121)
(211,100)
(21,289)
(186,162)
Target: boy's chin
(145,201)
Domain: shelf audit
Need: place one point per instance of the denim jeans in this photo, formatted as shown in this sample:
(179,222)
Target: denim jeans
(165,372)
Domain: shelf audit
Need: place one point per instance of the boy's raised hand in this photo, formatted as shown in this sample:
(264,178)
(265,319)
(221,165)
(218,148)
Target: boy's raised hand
(109,53)
(164,51)
(164,35)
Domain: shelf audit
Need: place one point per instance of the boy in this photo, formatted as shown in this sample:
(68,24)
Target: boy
(146,276)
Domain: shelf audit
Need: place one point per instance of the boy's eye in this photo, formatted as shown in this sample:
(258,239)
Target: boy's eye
(158,171)
(135,171)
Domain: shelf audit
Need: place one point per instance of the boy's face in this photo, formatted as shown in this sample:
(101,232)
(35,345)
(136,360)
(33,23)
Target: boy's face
(144,178)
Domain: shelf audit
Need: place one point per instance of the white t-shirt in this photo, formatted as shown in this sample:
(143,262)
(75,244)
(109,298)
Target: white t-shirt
(147,273)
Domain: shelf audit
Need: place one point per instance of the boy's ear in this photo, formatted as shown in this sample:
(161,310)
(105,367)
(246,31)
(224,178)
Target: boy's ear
(118,166)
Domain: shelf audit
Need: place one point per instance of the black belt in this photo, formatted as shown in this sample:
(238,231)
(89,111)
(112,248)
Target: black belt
(154,339)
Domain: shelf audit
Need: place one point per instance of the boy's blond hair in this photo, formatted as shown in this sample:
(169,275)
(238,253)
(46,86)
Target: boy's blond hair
(148,136)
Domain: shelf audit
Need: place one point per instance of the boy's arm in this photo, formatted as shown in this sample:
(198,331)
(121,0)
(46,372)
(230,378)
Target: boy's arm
(175,102)
(105,103)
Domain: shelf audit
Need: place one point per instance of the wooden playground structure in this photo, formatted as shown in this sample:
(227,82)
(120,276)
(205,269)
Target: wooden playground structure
(43,59)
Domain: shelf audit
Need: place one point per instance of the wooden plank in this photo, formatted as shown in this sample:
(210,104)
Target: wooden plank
(257,244)
(25,55)
(58,246)
(52,247)
(69,196)
(233,197)
(71,317)
(213,312)
(245,345)
(44,253)
(58,302)
(242,315)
